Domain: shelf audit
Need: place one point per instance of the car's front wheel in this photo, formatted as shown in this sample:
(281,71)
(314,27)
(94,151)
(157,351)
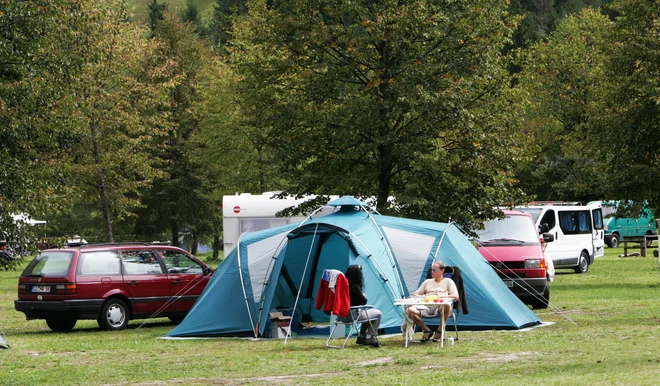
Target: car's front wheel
(114,315)
(61,325)
(583,263)
(541,301)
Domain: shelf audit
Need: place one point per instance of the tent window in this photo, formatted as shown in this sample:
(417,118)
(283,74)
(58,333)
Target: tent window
(258,224)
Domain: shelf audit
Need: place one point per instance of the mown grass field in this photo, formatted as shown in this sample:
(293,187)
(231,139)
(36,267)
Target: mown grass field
(605,331)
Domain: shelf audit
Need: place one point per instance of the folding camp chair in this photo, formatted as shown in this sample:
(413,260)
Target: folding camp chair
(449,273)
(333,297)
(351,320)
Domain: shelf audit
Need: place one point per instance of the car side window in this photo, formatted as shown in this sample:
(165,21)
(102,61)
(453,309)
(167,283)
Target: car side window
(99,263)
(179,262)
(140,262)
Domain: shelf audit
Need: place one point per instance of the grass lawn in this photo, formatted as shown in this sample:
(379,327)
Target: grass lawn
(605,331)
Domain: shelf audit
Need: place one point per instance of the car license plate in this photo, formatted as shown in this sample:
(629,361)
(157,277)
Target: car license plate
(508,283)
(40,288)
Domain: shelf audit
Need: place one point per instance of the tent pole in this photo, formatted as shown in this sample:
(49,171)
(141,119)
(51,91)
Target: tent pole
(302,279)
(389,250)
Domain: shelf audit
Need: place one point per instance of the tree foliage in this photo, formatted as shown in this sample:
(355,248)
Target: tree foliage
(385,99)
(112,100)
(36,66)
(541,17)
(631,111)
(178,197)
(564,80)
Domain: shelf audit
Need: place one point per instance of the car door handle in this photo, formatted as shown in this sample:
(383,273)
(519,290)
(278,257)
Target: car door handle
(132,283)
(177,282)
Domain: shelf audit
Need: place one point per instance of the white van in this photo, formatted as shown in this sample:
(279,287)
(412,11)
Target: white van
(578,232)
(248,213)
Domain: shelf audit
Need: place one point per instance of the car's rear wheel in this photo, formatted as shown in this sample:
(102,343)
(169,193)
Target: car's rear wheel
(61,325)
(114,315)
(583,263)
(614,241)
(176,319)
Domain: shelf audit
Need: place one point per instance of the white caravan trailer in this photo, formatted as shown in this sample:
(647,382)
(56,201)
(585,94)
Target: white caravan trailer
(248,213)
(578,231)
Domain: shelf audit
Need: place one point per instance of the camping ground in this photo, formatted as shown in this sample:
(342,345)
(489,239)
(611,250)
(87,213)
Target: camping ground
(605,330)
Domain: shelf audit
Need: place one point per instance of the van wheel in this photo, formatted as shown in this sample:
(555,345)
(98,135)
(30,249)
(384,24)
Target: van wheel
(114,315)
(542,301)
(61,325)
(649,243)
(614,241)
(583,263)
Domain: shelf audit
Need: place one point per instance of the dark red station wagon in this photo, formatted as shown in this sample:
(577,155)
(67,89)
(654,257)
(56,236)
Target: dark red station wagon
(112,283)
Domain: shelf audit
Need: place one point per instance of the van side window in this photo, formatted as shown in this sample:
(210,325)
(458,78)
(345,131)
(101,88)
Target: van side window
(549,218)
(575,222)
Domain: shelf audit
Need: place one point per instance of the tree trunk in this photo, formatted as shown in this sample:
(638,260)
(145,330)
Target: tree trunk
(216,246)
(384,178)
(103,189)
(193,247)
(175,233)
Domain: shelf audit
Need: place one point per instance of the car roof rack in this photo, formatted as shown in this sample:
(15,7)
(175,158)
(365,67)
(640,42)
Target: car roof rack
(122,243)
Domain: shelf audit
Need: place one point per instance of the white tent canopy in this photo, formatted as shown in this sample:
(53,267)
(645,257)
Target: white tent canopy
(22,217)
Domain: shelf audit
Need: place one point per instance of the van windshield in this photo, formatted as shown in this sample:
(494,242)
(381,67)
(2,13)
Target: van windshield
(534,212)
(609,210)
(511,228)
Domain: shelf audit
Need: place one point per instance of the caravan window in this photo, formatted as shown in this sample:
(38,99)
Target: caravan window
(575,222)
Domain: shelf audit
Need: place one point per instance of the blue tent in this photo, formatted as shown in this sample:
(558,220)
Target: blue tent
(280,268)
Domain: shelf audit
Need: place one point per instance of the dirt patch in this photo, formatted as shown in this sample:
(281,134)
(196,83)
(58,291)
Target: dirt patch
(378,361)
(516,356)
(283,379)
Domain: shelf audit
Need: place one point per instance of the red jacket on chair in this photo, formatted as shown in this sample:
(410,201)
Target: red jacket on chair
(337,301)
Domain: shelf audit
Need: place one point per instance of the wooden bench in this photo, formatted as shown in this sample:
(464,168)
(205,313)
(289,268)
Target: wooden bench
(641,242)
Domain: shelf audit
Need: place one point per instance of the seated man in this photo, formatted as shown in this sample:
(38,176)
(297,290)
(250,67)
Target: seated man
(438,285)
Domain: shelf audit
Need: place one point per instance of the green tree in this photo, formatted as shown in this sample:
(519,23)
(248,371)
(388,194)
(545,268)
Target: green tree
(191,15)
(179,198)
(385,99)
(111,102)
(35,67)
(224,11)
(631,111)
(156,10)
(541,17)
(563,79)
